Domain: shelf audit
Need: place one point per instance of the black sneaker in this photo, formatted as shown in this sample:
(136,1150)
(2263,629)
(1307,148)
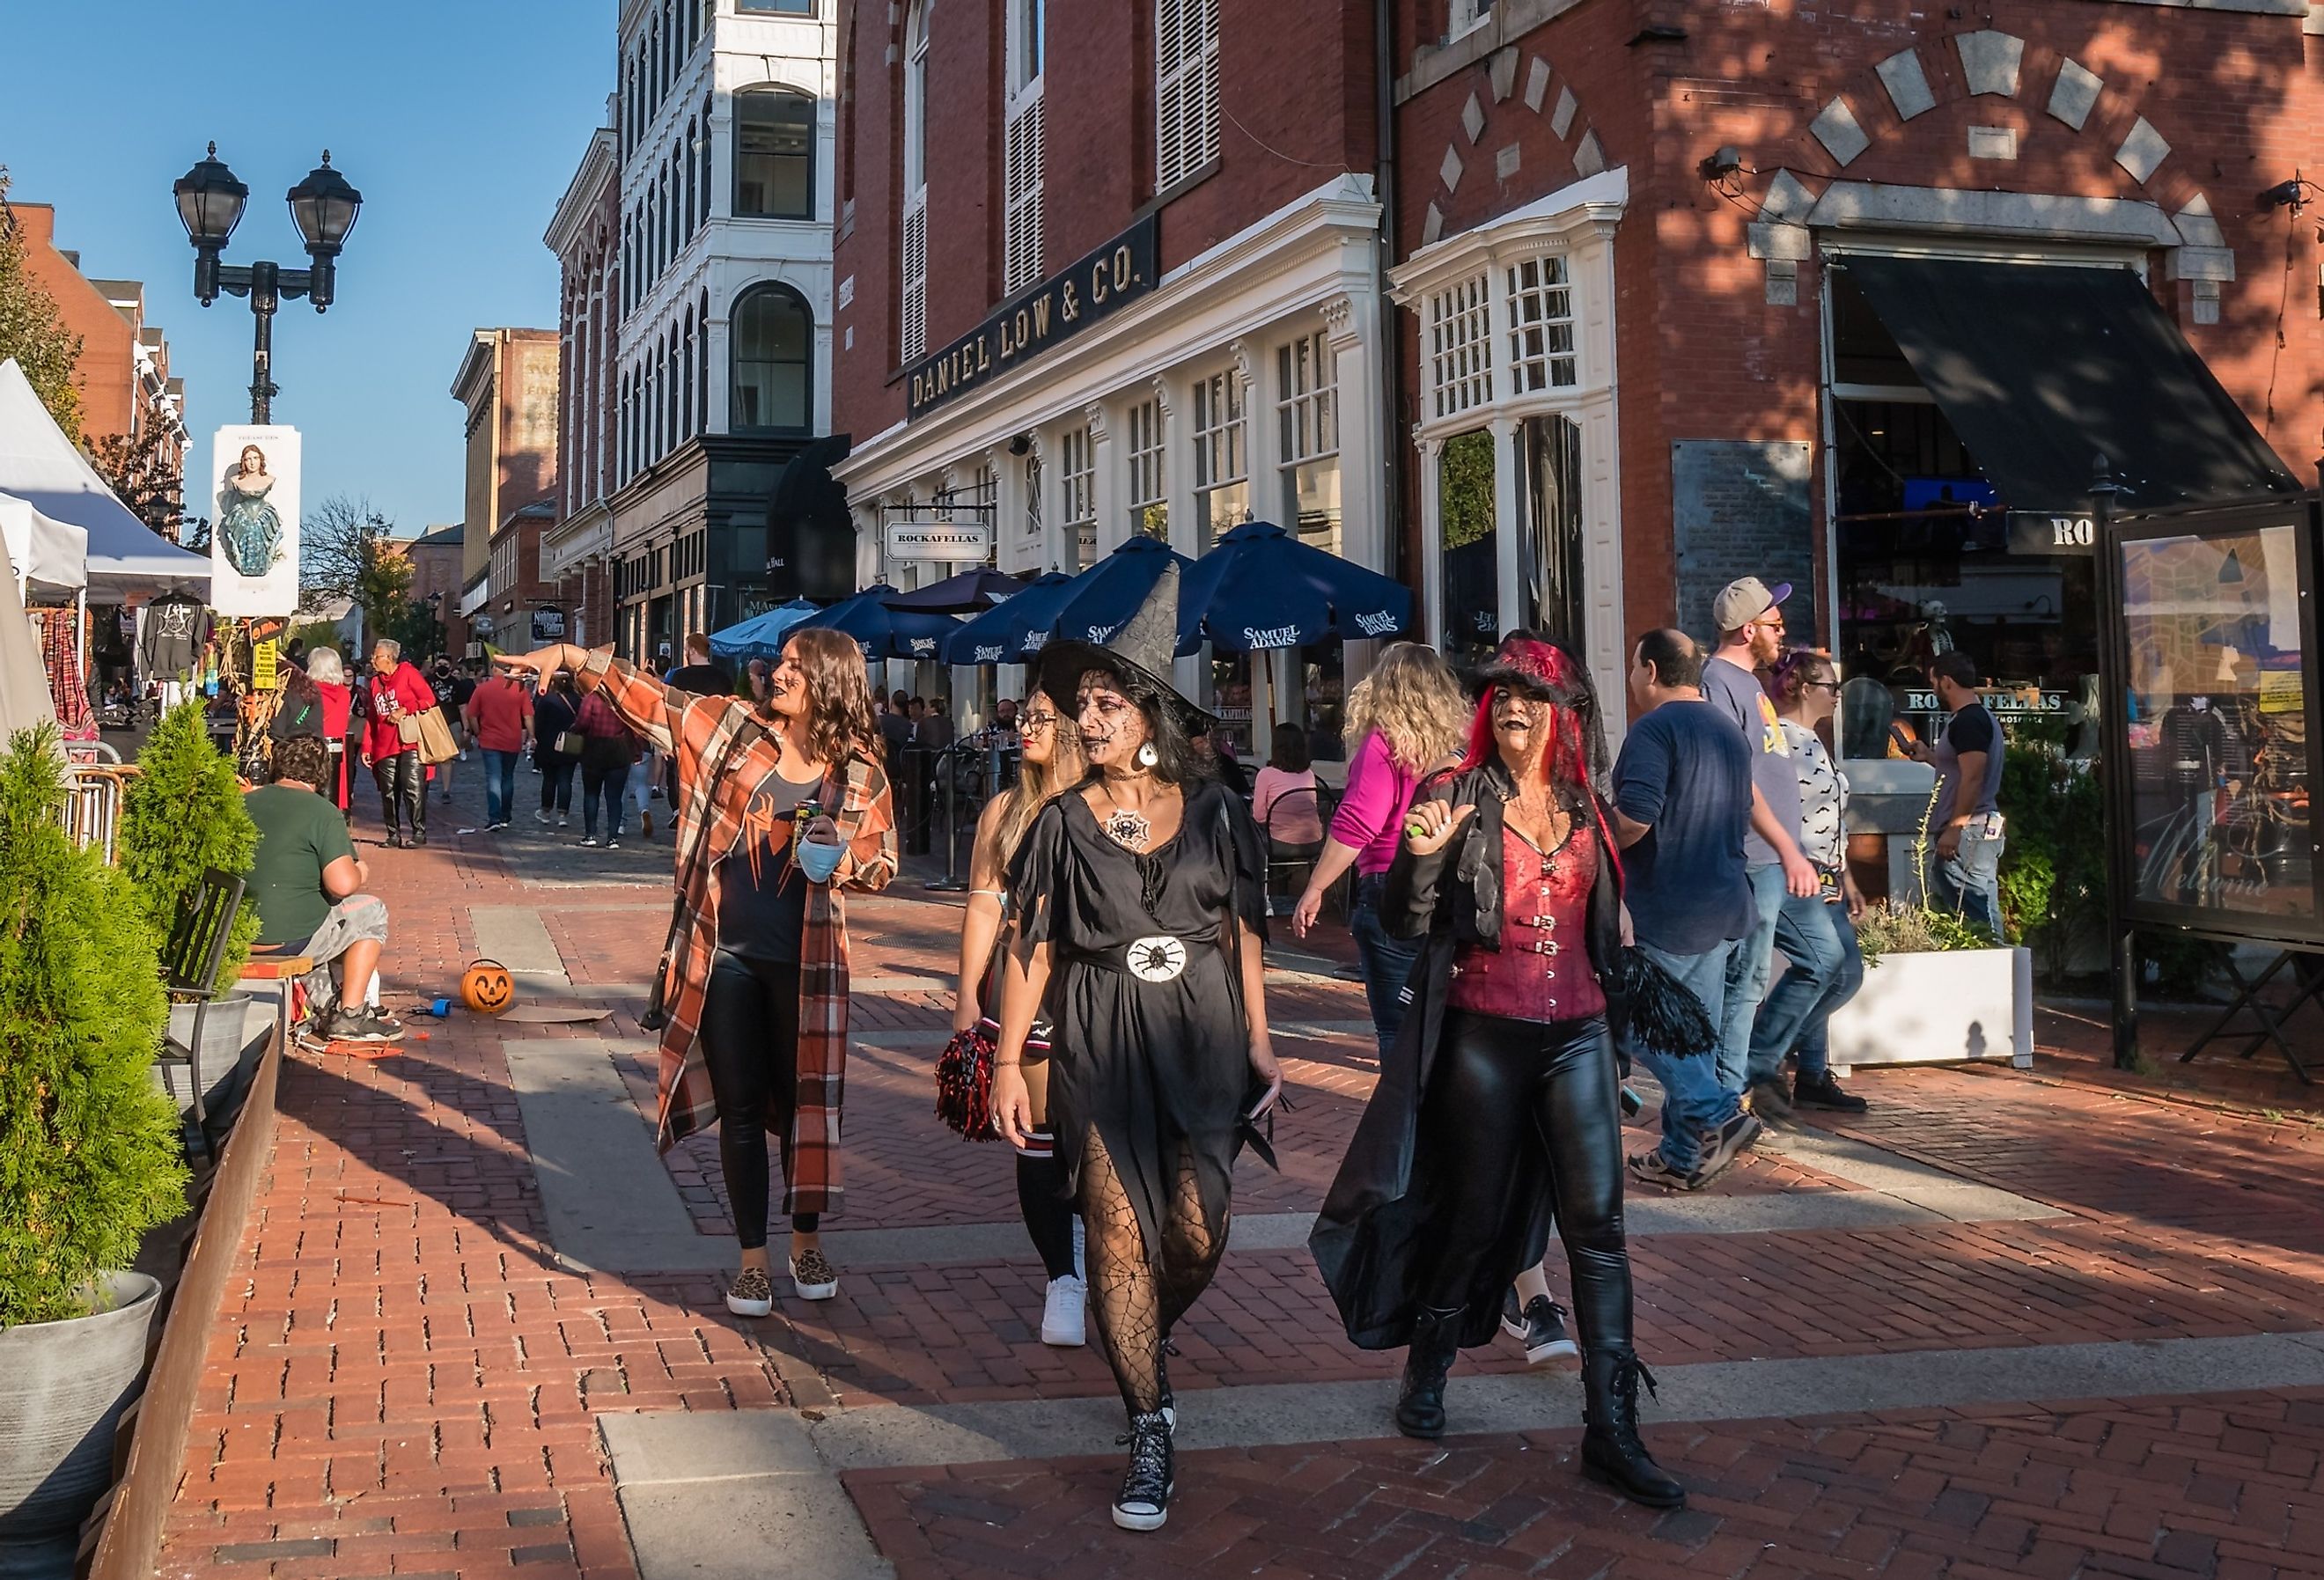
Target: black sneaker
(1722,1146)
(1144,1500)
(363,1025)
(1649,1168)
(1824,1092)
(1540,1326)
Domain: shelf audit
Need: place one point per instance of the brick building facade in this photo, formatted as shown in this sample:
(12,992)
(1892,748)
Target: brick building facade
(1188,222)
(577,550)
(507,387)
(124,373)
(1656,261)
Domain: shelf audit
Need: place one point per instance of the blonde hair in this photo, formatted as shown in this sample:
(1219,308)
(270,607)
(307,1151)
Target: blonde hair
(1412,702)
(1037,784)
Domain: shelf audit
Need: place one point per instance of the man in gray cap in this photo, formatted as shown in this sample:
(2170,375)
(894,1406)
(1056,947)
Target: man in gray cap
(1750,616)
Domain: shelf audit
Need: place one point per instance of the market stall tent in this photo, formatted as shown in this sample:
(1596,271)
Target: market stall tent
(40,465)
(23,683)
(50,556)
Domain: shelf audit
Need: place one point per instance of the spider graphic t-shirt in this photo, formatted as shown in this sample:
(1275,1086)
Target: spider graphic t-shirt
(762,892)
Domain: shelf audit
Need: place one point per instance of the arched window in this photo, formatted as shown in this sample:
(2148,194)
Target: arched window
(773,338)
(685,381)
(702,363)
(774,154)
(669,386)
(692,222)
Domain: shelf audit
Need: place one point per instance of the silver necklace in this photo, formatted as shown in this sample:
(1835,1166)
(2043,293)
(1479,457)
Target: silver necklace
(1123,826)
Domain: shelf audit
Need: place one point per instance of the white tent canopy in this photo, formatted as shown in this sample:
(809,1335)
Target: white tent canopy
(50,556)
(23,683)
(40,465)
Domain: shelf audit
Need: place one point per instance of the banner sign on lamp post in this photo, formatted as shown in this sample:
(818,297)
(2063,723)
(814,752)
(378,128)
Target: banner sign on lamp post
(254,496)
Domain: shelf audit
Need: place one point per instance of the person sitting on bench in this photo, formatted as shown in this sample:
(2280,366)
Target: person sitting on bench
(306,881)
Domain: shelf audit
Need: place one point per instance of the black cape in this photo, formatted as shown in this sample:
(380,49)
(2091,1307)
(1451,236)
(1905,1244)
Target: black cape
(1371,1239)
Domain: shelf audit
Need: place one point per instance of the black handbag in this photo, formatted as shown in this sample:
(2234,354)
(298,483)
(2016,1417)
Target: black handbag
(657,1010)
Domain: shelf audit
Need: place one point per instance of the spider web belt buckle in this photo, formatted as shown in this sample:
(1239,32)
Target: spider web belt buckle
(1160,958)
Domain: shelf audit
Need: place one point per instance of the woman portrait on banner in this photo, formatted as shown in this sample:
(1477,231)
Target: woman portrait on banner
(248,526)
(1052,762)
(781,809)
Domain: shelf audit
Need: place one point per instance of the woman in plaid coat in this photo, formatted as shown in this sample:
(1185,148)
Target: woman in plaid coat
(781,808)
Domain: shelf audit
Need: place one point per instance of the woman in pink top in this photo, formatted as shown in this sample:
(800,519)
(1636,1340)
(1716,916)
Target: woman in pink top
(1283,800)
(1405,718)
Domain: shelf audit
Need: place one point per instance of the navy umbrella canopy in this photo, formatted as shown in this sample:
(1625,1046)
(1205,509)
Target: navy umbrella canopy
(1114,589)
(1261,588)
(998,635)
(968,593)
(884,632)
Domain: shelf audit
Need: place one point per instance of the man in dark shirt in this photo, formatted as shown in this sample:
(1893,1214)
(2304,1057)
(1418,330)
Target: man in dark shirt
(1682,806)
(304,880)
(453,686)
(1967,821)
(701,674)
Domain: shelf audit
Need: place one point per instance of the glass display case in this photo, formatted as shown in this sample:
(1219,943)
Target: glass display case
(2214,712)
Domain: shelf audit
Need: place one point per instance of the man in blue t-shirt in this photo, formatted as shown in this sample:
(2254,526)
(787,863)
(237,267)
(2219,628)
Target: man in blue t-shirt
(1682,806)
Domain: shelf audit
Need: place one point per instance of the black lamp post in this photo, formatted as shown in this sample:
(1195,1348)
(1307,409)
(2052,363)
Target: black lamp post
(211,202)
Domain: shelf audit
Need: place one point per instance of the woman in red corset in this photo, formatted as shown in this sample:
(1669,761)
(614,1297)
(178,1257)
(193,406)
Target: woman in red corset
(1499,1102)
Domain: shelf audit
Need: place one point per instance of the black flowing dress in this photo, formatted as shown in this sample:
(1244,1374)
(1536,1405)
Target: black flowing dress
(1151,1045)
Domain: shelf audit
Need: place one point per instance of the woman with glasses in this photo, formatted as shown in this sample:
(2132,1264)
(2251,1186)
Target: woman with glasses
(1795,1018)
(1052,762)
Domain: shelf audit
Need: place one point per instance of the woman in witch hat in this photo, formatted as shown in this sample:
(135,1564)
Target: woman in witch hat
(1498,1103)
(1142,911)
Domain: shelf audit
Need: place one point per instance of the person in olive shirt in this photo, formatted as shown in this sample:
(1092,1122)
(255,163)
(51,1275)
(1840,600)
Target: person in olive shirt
(306,880)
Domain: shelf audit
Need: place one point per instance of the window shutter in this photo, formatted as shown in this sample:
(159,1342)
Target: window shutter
(1021,264)
(916,279)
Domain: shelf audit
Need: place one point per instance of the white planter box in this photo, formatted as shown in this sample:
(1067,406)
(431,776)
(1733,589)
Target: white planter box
(1942,1007)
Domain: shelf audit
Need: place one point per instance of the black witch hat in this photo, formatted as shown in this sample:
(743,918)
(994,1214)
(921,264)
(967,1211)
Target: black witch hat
(1139,650)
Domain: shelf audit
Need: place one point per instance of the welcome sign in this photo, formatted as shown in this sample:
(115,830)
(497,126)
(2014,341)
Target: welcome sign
(1116,275)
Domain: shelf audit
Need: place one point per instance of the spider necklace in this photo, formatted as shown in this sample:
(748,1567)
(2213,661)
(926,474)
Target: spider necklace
(1124,826)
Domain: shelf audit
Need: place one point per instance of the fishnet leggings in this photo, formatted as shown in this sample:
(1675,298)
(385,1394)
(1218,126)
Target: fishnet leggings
(1139,1301)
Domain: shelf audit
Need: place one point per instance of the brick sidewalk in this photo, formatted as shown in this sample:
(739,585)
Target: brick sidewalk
(404,1382)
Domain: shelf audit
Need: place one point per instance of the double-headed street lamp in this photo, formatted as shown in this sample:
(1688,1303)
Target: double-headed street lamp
(210,201)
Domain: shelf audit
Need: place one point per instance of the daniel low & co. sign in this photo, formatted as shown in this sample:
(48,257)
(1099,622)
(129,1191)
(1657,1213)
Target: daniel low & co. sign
(1061,306)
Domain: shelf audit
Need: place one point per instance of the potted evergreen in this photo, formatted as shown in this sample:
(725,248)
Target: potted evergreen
(91,1160)
(181,812)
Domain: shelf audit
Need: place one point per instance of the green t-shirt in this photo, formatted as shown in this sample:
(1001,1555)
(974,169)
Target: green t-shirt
(298,835)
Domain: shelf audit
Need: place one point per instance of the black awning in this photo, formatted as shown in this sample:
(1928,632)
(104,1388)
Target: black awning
(2043,369)
(811,537)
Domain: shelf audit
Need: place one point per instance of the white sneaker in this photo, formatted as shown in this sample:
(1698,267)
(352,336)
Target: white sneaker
(560,819)
(1064,1314)
(541,818)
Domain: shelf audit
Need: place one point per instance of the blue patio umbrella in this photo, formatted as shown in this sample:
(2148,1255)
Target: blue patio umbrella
(997,636)
(971,592)
(884,632)
(761,635)
(1110,591)
(1259,588)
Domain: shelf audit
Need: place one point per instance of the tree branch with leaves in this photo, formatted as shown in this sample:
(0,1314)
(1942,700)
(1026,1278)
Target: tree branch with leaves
(32,330)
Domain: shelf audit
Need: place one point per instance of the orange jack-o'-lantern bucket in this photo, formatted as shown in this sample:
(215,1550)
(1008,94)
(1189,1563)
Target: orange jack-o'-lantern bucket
(486,987)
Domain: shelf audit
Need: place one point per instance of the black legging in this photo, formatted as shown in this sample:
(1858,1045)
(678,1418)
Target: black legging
(402,781)
(1502,1087)
(750,1046)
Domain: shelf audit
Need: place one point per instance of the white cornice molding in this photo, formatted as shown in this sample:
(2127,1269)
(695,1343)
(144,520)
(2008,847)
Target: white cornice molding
(1873,205)
(1585,209)
(577,210)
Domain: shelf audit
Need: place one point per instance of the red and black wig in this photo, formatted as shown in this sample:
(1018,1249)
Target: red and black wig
(1575,763)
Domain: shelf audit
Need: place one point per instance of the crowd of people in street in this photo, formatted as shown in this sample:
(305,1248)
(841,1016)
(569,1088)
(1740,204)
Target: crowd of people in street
(1529,920)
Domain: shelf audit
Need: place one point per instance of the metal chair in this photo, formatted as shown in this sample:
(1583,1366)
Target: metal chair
(190,971)
(1293,857)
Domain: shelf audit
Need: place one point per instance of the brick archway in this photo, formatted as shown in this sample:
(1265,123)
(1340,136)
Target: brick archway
(1515,72)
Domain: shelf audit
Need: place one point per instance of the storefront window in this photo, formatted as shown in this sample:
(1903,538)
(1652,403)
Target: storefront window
(1308,416)
(1553,528)
(1927,563)
(1150,507)
(1472,604)
(1078,457)
(2221,810)
(1221,486)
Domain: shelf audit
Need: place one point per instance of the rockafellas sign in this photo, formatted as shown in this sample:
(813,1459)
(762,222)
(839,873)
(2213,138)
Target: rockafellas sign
(253,482)
(1116,275)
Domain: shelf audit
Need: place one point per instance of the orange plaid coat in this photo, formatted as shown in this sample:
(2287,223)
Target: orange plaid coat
(697,732)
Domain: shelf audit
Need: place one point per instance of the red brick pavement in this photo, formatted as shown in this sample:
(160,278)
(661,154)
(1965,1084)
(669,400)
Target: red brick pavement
(2224,1488)
(402,1381)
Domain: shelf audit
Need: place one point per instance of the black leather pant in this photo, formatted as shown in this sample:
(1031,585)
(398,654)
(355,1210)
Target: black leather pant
(1502,1088)
(402,782)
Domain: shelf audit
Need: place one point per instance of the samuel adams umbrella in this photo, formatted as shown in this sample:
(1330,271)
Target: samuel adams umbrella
(884,632)
(970,592)
(761,635)
(998,635)
(1110,591)
(1261,588)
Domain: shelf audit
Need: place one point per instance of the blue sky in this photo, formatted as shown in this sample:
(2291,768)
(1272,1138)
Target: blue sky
(461,121)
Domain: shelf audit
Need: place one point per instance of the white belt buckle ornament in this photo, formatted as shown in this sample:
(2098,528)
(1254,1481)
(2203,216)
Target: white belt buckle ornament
(1157,959)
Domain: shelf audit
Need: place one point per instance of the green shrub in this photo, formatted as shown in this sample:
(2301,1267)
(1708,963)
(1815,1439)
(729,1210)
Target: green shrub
(1914,930)
(91,1159)
(181,812)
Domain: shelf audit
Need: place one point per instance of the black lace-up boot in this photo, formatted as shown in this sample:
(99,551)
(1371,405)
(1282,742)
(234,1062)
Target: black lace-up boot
(1420,1402)
(1144,1502)
(1611,1450)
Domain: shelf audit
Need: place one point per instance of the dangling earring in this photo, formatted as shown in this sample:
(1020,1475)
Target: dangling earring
(1147,756)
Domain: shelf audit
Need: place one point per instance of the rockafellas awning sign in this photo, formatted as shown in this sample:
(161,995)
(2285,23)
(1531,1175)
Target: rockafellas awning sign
(1116,275)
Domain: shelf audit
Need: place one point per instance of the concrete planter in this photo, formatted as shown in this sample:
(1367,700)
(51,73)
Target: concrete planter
(63,1386)
(235,1025)
(1941,1007)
